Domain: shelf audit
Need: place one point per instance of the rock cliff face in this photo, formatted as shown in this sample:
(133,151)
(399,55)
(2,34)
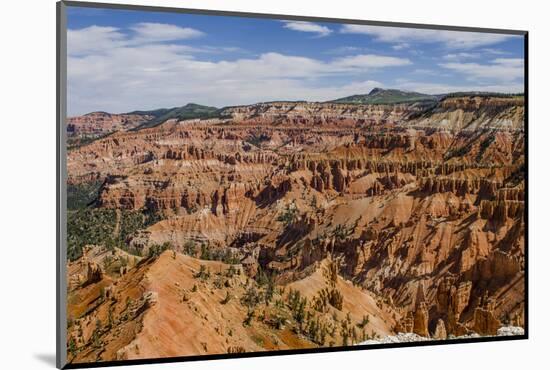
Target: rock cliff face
(304,113)
(101,123)
(474,113)
(421,208)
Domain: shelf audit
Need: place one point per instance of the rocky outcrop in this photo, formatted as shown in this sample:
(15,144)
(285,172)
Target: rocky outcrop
(101,123)
(93,273)
(421,317)
(475,113)
(304,113)
(485,321)
(411,337)
(440,331)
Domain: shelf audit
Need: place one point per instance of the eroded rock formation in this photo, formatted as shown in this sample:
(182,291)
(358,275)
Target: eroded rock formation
(101,123)
(421,208)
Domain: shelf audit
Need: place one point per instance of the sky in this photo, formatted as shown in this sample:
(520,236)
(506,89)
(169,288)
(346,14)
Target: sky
(125,60)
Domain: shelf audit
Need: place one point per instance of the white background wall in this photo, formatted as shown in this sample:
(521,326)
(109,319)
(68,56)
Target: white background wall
(27,181)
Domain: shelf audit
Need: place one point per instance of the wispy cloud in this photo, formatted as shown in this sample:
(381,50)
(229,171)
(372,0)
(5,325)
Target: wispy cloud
(369,61)
(101,38)
(159,32)
(459,56)
(502,69)
(401,46)
(348,50)
(94,39)
(428,72)
(310,27)
(451,39)
(494,51)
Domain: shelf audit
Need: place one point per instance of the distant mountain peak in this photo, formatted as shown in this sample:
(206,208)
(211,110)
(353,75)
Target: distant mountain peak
(376,90)
(193,105)
(379,95)
(99,112)
(188,111)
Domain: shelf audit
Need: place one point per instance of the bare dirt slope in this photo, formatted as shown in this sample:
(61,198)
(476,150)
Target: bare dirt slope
(174,304)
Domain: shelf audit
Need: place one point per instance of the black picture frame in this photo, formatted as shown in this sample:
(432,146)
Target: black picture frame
(61,175)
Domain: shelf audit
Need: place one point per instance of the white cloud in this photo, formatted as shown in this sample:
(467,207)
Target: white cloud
(494,51)
(458,56)
(128,73)
(102,39)
(158,32)
(451,39)
(176,79)
(308,27)
(369,61)
(348,50)
(501,69)
(401,46)
(510,62)
(94,39)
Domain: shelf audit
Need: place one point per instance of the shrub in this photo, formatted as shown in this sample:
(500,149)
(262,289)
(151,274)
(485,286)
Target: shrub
(203,274)
(156,249)
(190,248)
(248,319)
(269,291)
(332,273)
(276,322)
(313,203)
(97,226)
(251,298)
(231,271)
(347,331)
(206,254)
(230,258)
(218,282)
(289,215)
(81,195)
(364,322)
(226,299)
(325,297)
(336,299)
(340,232)
(317,331)
(297,305)
(72,347)
(236,349)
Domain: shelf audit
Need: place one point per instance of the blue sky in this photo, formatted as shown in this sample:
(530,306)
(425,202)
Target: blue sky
(121,60)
